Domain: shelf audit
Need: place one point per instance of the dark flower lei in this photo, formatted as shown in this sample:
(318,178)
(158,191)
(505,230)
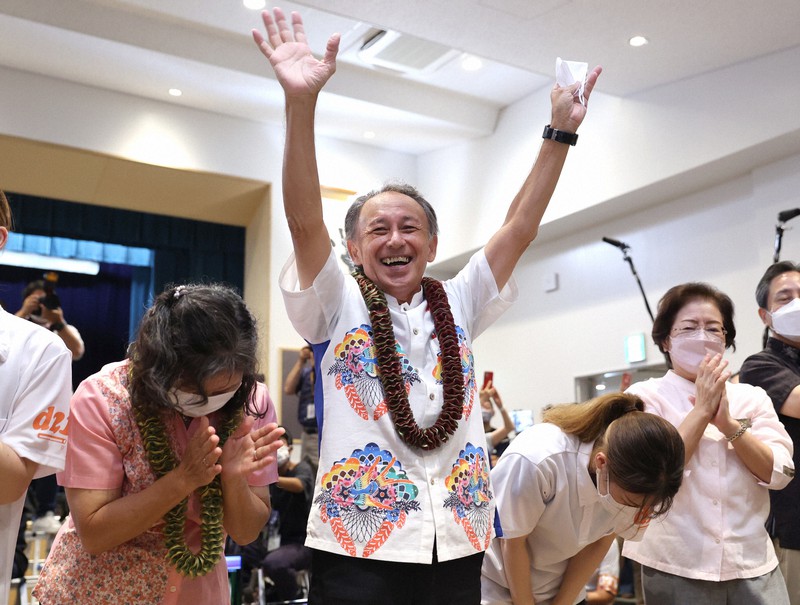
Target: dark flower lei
(212,536)
(391,370)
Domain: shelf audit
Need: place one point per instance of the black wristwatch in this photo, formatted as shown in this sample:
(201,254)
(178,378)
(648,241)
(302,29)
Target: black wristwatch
(58,326)
(560,136)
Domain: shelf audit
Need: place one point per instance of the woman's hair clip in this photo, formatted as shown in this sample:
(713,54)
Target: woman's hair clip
(180,290)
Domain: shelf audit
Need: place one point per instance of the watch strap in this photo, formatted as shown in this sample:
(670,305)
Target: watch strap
(560,136)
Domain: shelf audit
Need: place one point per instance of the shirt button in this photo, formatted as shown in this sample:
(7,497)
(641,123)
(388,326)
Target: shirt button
(716,502)
(713,463)
(432,396)
(416,331)
(717,540)
(173,588)
(433,481)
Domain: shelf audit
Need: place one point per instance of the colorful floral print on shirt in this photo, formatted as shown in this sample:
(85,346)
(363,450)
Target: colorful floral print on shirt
(470,496)
(365,497)
(356,371)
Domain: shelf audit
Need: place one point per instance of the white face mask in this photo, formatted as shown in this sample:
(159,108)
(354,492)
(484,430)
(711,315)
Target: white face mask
(786,320)
(187,402)
(282,455)
(606,499)
(486,415)
(623,516)
(687,352)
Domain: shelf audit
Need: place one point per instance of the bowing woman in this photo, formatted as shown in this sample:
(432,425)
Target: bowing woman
(170,450)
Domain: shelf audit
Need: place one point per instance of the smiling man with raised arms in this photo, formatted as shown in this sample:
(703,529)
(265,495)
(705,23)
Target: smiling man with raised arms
(402,508)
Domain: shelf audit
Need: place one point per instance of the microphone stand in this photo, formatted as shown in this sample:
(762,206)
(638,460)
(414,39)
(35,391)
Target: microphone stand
(783,217)
(778,239)
(779,229)
(627,258)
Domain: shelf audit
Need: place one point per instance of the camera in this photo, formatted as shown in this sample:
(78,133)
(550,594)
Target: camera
(50,299)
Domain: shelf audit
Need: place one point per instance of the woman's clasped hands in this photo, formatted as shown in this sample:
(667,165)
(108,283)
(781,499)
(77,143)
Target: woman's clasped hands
(245,451)
(712,376)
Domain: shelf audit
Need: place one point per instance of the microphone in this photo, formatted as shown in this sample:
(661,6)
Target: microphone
(788,215)
(624,246)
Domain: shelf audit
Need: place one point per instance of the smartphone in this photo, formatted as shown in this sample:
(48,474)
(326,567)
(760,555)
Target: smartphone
(487,378)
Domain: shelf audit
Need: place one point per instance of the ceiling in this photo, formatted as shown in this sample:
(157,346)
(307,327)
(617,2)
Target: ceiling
(203,47)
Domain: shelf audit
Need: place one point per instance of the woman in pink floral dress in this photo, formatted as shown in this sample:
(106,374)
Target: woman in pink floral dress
(170,450)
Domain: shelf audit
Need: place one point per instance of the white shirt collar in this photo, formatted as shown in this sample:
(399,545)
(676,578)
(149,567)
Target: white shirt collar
(416,301)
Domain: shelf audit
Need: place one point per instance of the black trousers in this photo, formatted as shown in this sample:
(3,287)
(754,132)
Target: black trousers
(341,580)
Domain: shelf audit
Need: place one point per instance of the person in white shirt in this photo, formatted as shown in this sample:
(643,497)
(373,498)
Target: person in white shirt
(35,380)
(712,547)
(567,487)
(402,509)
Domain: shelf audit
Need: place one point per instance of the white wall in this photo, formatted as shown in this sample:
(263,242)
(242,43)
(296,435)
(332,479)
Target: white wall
(632,152)
(723,235)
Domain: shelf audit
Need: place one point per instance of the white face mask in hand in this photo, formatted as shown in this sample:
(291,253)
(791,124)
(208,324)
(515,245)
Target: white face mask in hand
(687,352)
(282,455)
(188,402)
(786,320)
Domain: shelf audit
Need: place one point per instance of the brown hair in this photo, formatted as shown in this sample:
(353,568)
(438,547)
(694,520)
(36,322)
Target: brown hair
(5,212)
(190,334)
(645,452)
(678,297)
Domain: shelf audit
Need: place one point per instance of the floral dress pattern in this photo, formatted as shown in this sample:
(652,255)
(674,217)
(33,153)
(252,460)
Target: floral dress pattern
(108,448)
(133,573)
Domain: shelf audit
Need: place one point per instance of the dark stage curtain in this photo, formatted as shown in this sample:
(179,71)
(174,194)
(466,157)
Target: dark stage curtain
(100,307)
(185,250)
(97,305)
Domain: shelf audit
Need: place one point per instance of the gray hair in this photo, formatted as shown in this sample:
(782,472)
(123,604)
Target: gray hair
(354,212)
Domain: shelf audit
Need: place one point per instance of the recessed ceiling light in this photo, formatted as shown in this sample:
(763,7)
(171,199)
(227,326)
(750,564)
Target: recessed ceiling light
(600,387)
(369,134)
(638,41)
(175,92)
(254,4)
(471,63)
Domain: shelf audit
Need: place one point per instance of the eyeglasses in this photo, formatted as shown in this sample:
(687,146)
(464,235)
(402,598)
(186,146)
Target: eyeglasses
(717,332)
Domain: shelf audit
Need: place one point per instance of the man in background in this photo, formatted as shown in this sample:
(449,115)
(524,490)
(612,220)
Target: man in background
(43,308)
(300,382)
(776,369)
(283,554)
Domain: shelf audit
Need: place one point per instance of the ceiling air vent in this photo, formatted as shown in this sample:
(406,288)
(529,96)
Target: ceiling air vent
(404,53)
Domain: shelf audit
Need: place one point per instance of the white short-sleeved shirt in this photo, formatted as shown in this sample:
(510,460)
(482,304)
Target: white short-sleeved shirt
(35,382)
(715,528)
(544,491)
(375,496)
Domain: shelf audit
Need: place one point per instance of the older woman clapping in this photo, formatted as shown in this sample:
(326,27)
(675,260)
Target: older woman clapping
(712,547)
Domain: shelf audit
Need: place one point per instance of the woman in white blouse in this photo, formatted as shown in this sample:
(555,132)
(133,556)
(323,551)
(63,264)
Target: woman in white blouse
(567,487)
(712,547)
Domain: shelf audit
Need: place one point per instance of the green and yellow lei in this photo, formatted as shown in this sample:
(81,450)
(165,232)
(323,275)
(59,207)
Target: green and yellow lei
(212,536)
